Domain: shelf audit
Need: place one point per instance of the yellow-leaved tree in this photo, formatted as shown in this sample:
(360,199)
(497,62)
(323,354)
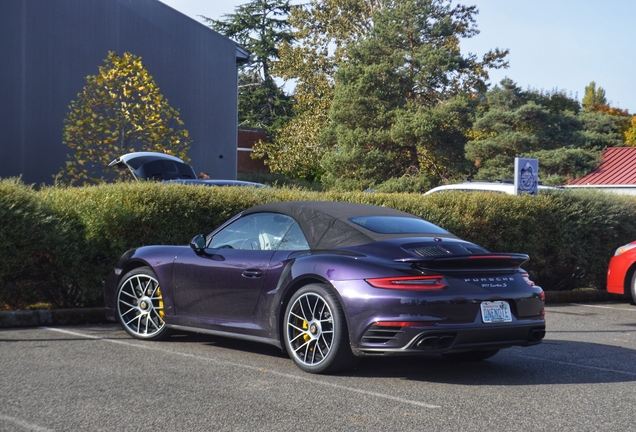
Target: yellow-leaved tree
(630,133)
(120,110)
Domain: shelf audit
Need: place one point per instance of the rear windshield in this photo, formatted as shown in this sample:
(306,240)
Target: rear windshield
(397,225)
(165,170)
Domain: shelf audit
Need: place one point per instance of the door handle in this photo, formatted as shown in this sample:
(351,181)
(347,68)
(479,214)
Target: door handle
(252,273)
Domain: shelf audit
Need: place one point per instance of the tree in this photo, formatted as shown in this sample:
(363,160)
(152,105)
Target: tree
(558,166)
(403,99)
(595,101)
(120,110)
(296,151)
(630,133)
(323,30)
(262,104)
(593,97)
(549,126)
(261,26)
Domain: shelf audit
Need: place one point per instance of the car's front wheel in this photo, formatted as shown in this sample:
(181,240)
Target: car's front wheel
(315,332)
(140,305)
(631,296)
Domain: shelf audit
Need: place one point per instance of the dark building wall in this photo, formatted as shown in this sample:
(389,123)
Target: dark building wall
(48,47)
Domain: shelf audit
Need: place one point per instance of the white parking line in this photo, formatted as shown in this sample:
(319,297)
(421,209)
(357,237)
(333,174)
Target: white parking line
(258,369)
(23,424)
(605,307)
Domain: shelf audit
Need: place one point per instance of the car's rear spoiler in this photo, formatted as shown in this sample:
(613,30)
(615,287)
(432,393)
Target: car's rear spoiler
(500,261)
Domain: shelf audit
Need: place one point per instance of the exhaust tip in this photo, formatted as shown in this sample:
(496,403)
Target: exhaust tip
(427,342)
(446,341)
(536,335)
(431,342)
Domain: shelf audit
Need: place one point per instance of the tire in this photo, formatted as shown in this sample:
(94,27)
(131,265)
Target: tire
(140,305)
(468,356)
(631,295)
(315,331)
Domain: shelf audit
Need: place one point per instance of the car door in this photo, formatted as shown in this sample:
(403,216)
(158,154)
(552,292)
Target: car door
(225,282)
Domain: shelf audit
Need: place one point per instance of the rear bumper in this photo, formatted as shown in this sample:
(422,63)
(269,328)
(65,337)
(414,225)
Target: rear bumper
(438,340)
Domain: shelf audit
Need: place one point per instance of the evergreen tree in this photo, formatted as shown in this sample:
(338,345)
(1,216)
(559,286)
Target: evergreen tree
(548,126)
(595,101)
(403,100)
(260,26)
(120,110)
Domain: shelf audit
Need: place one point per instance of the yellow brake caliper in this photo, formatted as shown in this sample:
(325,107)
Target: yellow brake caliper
(306,337)
(161,313)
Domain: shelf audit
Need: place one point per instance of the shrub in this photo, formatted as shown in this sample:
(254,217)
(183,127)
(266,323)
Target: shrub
(36,248)
(59,243)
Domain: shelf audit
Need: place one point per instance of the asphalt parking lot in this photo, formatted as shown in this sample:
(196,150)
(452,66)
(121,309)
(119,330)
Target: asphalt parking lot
(94,377)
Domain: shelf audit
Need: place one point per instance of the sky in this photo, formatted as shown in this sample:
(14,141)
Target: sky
(554,44)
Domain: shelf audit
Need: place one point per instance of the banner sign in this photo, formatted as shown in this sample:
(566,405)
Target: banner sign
(526,176)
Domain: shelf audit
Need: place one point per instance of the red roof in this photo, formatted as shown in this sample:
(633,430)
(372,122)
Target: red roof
(618,168)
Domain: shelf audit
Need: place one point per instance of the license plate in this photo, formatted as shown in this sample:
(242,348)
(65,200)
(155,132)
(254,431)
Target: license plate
(495,312)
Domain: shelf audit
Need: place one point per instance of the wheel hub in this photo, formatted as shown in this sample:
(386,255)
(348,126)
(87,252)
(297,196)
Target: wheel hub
(145,304)
(314,329)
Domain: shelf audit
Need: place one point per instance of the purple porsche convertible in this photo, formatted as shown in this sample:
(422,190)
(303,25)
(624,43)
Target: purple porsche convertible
(329,282)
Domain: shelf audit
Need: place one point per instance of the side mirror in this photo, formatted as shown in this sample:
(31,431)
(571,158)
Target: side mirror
(198,243)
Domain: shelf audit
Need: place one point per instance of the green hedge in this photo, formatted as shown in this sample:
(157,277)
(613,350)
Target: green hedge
(57,243)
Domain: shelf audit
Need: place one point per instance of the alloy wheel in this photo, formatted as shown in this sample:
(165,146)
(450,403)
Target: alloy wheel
(140,306)
(310,329)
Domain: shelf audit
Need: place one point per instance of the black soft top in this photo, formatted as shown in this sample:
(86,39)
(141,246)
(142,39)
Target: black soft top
(326,224)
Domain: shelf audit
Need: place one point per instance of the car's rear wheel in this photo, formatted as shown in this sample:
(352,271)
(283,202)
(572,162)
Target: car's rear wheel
(315,333)
(140,305)
(471,355)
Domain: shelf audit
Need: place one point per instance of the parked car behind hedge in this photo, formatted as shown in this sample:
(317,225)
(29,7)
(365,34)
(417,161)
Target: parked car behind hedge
(148,166)
(505,187)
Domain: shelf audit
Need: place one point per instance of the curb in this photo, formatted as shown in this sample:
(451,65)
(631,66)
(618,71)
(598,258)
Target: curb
(44,317)
(40,317)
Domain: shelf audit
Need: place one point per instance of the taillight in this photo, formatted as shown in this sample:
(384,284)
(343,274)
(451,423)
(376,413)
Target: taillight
(489,257)
(526,277)
(409,282)
(404,323)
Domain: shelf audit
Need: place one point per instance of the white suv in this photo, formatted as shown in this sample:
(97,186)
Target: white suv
(482,186)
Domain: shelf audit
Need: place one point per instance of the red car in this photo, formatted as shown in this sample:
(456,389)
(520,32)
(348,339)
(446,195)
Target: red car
(621,274)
